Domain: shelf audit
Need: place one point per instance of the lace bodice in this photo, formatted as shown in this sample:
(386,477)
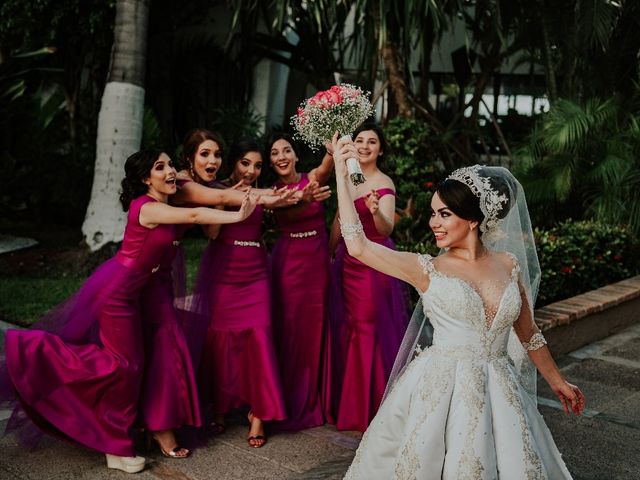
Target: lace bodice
(462,317)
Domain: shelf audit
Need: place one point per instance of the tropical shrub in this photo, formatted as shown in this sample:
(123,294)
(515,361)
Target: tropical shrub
(576,257)
(583,162)
(415,172)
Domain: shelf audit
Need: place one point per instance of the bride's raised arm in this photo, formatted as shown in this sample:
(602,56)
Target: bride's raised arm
(402,265)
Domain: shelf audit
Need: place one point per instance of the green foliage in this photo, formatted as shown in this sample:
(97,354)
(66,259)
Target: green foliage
(235,122)
(412,166)
(52,70)
(24,299)
(576,257)
(583,161)
(151,131)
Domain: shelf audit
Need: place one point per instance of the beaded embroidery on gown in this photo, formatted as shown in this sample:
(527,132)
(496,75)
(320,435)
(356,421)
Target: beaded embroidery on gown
(459,410)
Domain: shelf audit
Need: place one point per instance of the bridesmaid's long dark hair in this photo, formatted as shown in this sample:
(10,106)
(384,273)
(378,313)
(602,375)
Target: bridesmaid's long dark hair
(137,168)
(239,149)
(274,137)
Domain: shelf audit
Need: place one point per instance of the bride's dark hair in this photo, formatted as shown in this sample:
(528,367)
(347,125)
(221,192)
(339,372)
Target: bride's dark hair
(137,168)
(459,198)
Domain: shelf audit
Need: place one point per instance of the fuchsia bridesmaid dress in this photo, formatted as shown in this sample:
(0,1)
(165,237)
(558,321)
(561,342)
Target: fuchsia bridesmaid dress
(369,316)
(300,281)
(238,365)
(83,382)
(169,397)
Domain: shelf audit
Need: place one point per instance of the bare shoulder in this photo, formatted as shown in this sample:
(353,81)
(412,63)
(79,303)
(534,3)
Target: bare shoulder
(505,259)
(385,181)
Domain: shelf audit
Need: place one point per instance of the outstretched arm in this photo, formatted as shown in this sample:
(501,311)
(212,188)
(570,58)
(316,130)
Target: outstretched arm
(532,339)
(156,213)
(402,265)
(194,193)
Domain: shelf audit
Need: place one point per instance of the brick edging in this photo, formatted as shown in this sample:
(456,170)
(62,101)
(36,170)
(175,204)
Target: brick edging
(577,321)
(574,308)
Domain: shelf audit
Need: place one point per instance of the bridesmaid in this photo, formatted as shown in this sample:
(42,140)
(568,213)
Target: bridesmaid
(82,383)
(371,313)
(197,186)
(300,281)
(239,367)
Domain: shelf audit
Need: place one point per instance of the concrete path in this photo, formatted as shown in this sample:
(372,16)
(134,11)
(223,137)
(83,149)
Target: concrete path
(604,444)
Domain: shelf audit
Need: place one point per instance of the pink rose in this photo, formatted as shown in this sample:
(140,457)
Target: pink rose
(334,97)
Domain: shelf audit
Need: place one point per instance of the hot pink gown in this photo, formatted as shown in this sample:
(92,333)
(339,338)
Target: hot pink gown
(83,383)
(369,316)
(239,367)
(300,280)
(169,397)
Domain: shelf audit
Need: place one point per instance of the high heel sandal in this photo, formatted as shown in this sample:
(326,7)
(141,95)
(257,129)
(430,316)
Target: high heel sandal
(262,439)
(126,464)
(174,452)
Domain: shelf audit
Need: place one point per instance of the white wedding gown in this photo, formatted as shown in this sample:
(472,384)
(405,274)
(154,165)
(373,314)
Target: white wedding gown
(459,410)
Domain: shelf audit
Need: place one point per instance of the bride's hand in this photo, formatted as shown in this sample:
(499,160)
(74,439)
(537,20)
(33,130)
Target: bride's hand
(570,396)
(343,149)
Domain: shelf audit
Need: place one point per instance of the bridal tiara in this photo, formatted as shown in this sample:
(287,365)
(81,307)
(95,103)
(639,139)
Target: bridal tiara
(491,200)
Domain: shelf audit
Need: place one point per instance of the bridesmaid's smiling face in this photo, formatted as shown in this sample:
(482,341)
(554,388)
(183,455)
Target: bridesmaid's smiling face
(449,229)
(283,158)
(247,168)
(207,160)
(368,147)
(162,177)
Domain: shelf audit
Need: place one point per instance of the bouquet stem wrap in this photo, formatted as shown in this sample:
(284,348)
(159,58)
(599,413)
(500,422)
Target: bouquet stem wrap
(353,167)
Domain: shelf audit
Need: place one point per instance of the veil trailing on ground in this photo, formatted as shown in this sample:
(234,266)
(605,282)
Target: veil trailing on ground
(506,228)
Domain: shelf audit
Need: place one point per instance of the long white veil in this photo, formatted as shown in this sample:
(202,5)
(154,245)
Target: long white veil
(499,193)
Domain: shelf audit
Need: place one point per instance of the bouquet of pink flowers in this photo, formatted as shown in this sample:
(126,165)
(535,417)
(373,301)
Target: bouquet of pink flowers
(342,108)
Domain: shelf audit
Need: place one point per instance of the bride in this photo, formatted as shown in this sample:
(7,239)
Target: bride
(465,407)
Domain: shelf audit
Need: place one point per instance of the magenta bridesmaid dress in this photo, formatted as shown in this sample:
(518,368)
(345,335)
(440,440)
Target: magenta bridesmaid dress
(370,313)
(300,281)
(82,383)
(239,367)
(169,397)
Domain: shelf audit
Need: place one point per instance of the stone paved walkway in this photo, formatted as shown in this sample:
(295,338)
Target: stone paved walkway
(604,444)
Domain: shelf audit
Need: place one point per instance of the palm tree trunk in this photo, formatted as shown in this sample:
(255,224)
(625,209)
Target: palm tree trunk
(119,122)
(395,75)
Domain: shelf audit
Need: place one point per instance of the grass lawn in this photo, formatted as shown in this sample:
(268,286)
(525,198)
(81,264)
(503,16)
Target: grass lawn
(33,281)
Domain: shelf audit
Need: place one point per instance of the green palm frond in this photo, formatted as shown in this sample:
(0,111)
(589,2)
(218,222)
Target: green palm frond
(566,126)
(598,20)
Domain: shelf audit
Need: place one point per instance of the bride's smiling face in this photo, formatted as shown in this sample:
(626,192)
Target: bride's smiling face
(449,229)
